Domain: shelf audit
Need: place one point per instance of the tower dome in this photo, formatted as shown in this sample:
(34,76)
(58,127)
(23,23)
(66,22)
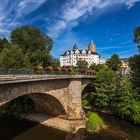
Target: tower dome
(92,46)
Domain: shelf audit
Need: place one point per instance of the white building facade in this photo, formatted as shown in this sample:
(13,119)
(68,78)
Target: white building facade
(71,57)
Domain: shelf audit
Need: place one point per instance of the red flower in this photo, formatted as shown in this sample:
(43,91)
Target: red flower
(47,68)
(64,69)
(55,68)
(35,67)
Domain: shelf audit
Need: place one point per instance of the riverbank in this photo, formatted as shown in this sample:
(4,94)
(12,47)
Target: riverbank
(118,129)
(58,123)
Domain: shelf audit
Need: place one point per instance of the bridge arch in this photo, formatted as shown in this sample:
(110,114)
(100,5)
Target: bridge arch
(90,87)
(48,104)
(43,103)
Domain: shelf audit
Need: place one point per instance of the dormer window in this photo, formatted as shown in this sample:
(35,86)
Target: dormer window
(71,52)
(77,52)
(89,52)
(67,53)
(83,52)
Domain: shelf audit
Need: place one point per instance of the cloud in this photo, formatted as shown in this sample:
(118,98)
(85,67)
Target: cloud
(11,11)
(131,3)
(27,6)
(69,16)
(72,12)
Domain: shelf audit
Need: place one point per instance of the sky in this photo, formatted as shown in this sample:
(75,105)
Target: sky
(109,23)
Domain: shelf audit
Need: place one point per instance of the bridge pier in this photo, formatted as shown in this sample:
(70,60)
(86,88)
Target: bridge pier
(74,106)
(65,103)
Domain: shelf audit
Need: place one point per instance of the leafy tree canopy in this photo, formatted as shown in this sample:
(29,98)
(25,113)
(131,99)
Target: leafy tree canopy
(31,39)
(106,86)
(11,57)
(4,43)
(134,63)
(137,34)
(96,67)
(114,62)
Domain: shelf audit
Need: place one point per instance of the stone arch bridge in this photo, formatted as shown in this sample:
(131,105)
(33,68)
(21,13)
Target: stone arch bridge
(54,95)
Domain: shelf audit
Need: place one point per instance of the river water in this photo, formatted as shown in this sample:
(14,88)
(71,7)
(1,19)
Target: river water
(118,129)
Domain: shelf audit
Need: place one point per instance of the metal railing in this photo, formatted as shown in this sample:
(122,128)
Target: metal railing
(30,73)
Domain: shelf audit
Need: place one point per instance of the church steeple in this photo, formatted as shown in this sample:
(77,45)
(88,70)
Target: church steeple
(92,46)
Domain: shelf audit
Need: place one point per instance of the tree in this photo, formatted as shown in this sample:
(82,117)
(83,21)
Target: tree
(4,43)
(11,57)
(134,63)
(137,36)
(114,62)
(31,39)
(96,67)
(35,45)
(125,103)
(82,64)
(55,62)
(105,87)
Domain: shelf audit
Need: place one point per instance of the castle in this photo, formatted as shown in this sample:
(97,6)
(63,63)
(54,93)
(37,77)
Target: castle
(71,57)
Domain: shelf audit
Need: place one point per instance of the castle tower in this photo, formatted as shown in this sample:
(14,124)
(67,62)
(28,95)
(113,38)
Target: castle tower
(92,46)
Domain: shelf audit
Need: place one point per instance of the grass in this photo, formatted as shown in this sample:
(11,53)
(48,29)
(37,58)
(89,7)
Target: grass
(94,123)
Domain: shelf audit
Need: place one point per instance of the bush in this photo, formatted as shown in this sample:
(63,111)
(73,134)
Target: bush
(94,123)
(129,111)
(135,115)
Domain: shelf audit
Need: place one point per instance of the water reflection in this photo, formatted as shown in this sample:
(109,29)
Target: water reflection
(117,129)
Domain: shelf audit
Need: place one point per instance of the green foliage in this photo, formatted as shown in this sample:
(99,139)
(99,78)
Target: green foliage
(96,67)
(11,57)
(31,42)
(114,62)
(34,43)
(82,64)
(55,62)
(31,39)
(135,112)
(87,100)
(94,123)
(4,43)
(40,69)
(125,103)
(39,56)
(129,110)
(105,86)
(17,107)
(134,63)
(137,34)
(125,93)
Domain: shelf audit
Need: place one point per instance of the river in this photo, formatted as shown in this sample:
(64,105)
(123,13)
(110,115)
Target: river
(117,129)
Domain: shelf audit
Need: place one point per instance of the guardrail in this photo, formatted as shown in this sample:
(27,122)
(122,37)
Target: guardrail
(8,74)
